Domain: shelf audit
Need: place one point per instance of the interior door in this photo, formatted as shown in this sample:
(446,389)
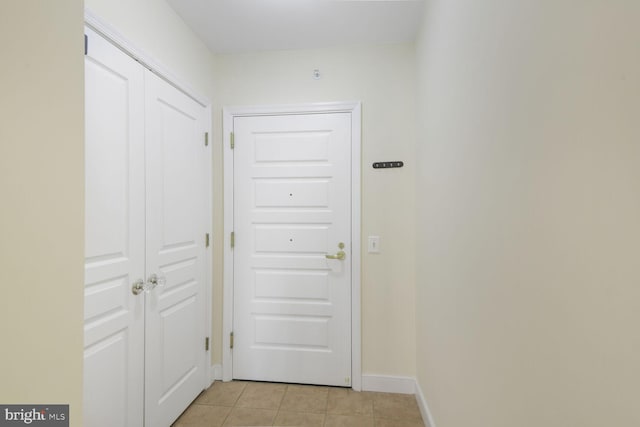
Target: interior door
(114,237)
(176,158)
(146,206)
(292,264)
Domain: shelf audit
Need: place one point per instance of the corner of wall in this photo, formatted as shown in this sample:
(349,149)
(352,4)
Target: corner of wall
(427,417)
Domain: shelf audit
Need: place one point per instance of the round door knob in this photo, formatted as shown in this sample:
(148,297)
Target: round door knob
(138,287)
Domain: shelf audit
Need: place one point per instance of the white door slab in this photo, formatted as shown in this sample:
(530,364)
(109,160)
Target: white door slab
(292,207)
(176,216)
(146,213)
(114,237)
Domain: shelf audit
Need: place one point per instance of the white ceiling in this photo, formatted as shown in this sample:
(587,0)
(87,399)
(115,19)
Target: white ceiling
(231,26)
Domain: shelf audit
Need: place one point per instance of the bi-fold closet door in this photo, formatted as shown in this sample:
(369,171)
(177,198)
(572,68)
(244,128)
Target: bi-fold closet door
(145,213)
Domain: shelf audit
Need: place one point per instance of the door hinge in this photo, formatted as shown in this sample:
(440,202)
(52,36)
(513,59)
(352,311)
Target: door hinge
(86,44)
(233,239)
(206,344)
(206,240)
(231,340)
(232,140)
(206,139)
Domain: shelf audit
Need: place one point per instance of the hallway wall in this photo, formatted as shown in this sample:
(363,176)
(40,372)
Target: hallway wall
(42,205)
(529,205)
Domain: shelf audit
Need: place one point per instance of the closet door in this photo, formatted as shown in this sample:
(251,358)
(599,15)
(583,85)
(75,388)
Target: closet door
(146,206)
(114,237)
(176,207)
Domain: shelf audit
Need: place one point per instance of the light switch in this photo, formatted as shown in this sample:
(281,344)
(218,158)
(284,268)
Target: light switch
(374,245)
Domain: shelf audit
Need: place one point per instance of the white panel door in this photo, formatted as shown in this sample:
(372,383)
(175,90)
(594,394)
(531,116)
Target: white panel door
(292,208)
(176,207)
(146,207)
(114,237)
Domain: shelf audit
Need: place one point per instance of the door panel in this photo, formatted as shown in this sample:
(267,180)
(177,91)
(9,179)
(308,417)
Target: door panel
(292,193)
(292,146)
(292,305)
(114,237)
(300,285)
(176,205)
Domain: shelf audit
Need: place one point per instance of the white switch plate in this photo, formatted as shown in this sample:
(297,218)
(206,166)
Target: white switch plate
(374,245)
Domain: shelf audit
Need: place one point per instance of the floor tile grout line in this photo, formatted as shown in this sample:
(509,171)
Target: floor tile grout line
(286,389)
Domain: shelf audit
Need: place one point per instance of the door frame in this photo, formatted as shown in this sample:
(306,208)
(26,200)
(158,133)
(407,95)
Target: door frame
(229,113)
(107,31)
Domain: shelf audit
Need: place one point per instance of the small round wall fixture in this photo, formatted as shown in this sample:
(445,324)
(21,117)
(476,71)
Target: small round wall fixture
(316,74)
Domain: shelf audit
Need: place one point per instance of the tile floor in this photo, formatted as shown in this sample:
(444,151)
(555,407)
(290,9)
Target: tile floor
(241,403)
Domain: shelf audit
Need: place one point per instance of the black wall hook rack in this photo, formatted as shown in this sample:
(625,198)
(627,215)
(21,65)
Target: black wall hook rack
(386,165)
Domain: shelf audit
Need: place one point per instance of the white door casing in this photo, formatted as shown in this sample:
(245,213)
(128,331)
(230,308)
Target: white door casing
(114,237)
(295,194)
(147,212)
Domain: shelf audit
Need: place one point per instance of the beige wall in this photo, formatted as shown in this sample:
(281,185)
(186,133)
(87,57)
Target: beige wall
(529,206)
(383,78)
(41,214)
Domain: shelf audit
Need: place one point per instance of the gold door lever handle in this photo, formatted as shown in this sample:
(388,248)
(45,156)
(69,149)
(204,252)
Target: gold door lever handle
(340,255)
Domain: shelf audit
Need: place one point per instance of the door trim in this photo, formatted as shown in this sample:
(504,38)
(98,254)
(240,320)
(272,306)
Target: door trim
(107,31)
(229,113)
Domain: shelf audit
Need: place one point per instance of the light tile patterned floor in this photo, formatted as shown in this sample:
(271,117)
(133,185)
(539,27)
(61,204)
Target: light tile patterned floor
(241,403)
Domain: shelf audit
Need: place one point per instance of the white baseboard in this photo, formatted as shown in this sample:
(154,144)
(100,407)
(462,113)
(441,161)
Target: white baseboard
(215,373)
(388,384)
(424,408)
(405,385)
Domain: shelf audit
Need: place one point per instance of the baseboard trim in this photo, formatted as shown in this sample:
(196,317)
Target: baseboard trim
(215,373)
(404,385)
(388,384)
(424,408)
